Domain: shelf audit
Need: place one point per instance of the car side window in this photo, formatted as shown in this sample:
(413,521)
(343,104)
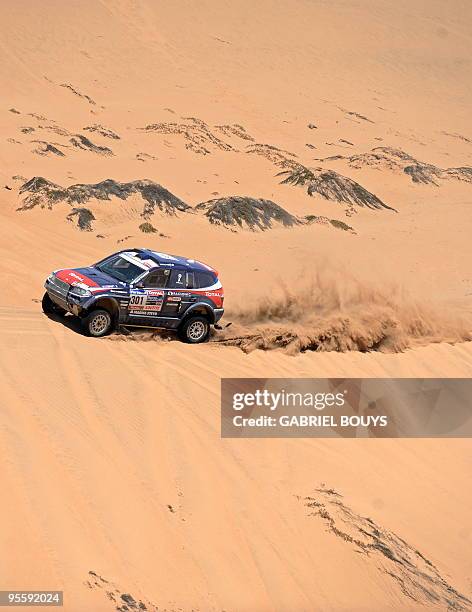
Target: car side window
(157,279)
(177,279)
(205,279)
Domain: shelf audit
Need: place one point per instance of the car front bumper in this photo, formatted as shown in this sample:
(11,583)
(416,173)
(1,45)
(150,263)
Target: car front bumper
(60,293)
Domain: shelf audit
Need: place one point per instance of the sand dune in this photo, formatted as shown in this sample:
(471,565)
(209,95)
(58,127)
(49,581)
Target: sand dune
(116,446)
(190,128)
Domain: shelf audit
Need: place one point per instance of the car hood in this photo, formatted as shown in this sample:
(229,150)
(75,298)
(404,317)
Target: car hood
(89,277)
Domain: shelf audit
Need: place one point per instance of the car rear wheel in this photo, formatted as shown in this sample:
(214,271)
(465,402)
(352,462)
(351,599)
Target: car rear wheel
(49,307)
(195,330)
(98,323)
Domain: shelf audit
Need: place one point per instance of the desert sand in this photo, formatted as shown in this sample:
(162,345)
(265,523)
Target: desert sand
(354,118)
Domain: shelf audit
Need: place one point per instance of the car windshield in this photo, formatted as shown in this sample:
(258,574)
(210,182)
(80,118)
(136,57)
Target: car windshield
(120,268)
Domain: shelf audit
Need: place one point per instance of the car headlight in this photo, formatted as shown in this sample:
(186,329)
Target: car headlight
(80,291)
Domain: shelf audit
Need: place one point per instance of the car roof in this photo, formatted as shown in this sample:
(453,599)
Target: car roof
(172,261)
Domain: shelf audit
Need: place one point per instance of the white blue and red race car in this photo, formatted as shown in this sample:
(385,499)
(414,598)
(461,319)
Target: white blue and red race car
(140,288)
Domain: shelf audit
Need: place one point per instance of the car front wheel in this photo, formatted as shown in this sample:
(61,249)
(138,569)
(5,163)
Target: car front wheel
(195,330)
(98,323)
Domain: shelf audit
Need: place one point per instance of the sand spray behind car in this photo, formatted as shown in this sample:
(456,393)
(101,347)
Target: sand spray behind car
(335,312)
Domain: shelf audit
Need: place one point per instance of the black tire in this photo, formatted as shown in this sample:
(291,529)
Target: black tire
(97,323)
(49,307)
(195,330)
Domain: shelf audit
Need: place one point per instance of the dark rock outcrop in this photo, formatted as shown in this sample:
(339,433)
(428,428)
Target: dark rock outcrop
(382,158)
(235,130)
(148,228)
(428,174)
(327,183)
(274,154)
(458,136)
(332,186)
(310,219)
(143,157)
(77,93)
(415,576)
(84,218)
(422,173)
(47,148)
(463,173)
(197,135)
(37,117)
(117,599)
(396,160)
(103,131)
(82,142)
(56,129)
(356,115)
(244,212)
(41,192)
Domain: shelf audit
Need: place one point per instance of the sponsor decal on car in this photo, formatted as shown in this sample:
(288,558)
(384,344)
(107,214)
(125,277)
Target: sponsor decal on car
(71,277)
(142,313)
(145,302)
(179,293)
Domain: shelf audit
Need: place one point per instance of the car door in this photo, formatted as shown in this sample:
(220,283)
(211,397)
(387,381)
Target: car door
(147,298)
(178,296)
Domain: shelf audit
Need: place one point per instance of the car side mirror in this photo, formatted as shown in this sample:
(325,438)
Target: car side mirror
(139,285)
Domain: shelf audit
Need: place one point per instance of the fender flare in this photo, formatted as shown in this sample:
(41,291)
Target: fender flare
(199,306)
(104,301)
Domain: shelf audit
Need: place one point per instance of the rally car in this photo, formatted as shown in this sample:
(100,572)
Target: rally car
(139,288)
